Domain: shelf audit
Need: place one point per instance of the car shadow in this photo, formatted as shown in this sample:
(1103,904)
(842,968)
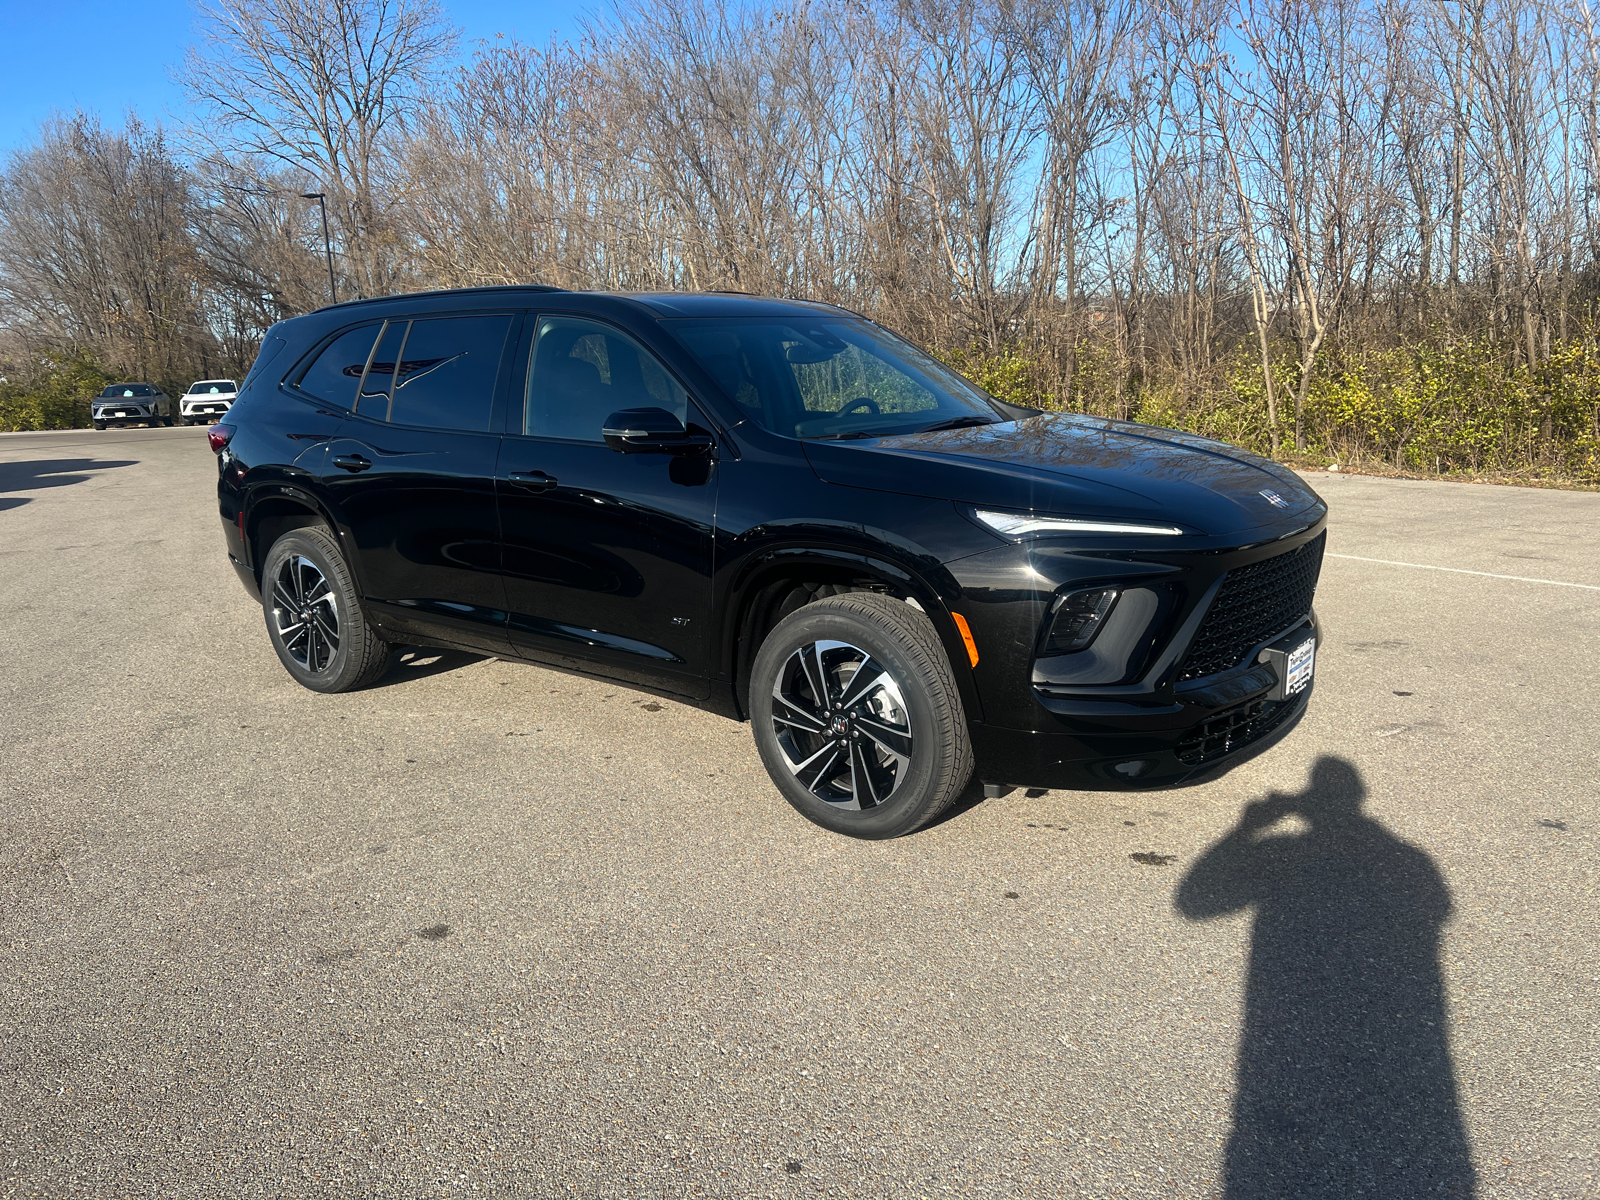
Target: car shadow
(50,472)
(1345,1081)
(412,663)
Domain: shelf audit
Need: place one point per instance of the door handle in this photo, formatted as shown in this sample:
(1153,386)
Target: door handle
(533,481)
(352,462)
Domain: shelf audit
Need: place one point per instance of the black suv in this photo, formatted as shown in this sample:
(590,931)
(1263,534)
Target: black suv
(779,511)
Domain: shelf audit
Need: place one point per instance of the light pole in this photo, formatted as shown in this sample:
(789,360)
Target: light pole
(327,244)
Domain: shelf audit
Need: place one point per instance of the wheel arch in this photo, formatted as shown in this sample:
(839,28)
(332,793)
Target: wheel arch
(273,511)
(780,580)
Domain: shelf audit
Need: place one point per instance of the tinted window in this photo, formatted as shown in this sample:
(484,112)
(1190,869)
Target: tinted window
(212,387)
(584,371)
(447,367)
(128,389)
(379,379)
(828,377)
(337,370)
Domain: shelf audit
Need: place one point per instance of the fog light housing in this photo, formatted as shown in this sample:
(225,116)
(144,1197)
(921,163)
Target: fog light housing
(1076,618)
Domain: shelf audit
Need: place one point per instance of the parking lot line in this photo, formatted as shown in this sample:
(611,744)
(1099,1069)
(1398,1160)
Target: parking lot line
(1389,562)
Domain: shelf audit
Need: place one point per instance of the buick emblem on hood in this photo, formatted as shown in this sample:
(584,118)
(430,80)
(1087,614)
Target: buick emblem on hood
(1274,499)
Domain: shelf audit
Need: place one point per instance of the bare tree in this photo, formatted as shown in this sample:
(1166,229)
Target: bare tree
(324,88)
(95,247)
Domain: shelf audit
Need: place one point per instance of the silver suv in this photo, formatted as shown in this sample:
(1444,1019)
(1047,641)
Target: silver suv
(206,401)
(127,403)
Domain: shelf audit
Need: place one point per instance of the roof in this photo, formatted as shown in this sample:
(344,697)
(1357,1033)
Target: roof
(720,304)
(664,304)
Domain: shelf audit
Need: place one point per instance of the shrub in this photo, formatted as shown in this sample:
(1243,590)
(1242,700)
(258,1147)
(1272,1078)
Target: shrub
(54,395)
(1455,408)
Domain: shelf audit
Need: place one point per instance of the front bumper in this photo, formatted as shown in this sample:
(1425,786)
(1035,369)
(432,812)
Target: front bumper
(110,414)
(207,408)
(1159,748)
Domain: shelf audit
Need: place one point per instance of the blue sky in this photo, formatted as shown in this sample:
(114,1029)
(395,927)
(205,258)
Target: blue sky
(109,55)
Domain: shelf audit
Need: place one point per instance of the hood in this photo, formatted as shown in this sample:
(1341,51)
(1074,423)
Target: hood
(1078,466)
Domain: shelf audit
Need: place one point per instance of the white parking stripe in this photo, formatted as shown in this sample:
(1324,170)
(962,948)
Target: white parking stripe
(1389,562)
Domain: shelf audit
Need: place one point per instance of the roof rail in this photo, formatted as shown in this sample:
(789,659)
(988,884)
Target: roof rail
(499,287)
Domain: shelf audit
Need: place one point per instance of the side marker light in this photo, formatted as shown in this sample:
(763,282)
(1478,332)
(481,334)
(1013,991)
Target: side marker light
(966,636)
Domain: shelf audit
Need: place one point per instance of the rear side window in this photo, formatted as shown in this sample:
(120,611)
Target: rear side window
(444,375)
(334,374)
(584,371)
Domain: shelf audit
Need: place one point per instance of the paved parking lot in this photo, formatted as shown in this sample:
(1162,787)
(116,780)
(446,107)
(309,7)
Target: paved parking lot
(488,929)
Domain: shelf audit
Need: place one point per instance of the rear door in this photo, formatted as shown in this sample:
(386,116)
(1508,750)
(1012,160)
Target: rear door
(412,473)
(607,556)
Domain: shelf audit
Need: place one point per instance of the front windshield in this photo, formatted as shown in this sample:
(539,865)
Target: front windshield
(213,387)
(127,389)
(830,377)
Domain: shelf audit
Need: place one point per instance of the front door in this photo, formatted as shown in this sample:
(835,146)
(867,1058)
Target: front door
(411,474)
(607,556)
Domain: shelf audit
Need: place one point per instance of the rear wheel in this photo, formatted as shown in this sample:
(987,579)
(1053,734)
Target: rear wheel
(313,617)
(857,716)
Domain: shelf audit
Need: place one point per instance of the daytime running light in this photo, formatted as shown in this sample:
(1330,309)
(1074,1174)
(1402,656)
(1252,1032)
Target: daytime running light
(1017,524)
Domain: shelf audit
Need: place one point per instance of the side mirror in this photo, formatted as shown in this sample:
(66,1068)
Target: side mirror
(651,431)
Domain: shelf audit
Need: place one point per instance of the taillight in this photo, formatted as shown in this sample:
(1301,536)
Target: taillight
(219,436)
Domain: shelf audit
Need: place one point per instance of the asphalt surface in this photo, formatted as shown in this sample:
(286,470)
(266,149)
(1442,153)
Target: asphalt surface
(488,929)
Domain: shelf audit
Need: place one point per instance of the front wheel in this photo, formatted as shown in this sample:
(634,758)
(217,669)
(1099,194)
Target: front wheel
(857,716)
(100,425)
(313,617)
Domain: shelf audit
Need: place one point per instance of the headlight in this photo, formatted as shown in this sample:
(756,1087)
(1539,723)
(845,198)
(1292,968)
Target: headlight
(1018,524)
(1076,618)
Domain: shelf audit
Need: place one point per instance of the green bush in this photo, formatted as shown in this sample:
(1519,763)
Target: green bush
(1457,408)
(1009,375)
(56,396)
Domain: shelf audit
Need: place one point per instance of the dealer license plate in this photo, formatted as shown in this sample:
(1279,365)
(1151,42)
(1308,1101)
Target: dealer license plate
(1302,660)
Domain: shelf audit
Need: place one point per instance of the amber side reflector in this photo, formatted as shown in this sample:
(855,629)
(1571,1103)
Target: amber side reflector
(966,636)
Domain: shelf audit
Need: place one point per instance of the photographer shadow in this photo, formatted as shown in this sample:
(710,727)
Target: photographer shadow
(1345,1082)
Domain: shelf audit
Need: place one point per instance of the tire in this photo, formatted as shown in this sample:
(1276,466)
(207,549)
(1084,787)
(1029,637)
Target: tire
(305,568)
(909,718)
(100,425)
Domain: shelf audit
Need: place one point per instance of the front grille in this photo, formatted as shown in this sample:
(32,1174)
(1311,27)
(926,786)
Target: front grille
(1254,602)
(1234,729)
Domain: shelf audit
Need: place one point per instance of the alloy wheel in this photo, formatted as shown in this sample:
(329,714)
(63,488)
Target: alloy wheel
(841,723)
(305,612)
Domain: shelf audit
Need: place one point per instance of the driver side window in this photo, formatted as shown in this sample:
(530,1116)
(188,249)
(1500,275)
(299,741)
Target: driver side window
(583,371)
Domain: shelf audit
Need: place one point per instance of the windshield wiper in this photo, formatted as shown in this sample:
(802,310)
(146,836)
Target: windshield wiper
(960,423)
(839,437)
